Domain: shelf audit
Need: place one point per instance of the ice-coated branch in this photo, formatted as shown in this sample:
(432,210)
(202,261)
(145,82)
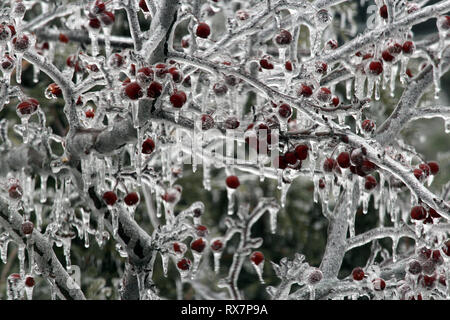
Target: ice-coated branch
(48,263)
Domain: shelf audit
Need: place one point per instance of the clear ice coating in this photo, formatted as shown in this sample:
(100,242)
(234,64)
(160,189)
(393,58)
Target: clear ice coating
(149,111)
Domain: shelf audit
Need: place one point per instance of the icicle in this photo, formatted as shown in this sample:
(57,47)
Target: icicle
(66,248)
(4,241)
(21,256)
(259,270)
(370,84)
(107,37)
(403,63)
(348,88)
(43,190)
(312,293)
(284,191)
(394,248)
(165,263)
(217,256)
(14,287)
(273,212)
(36,72)
(197,257)
(114,219)
(139,156)
(85,216)
(19,57)
(206,175)
(377,89)
(394,70)
(231,201)
(436,80)
(29,289)
(94,42)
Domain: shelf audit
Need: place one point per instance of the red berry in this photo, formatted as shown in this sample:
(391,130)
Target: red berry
(418,213)
(207,122)
(343,159)
(154,90)
(425,168)
(21,43)
(133,91)
(408,47)
(283,38)
(5,33)
(321,67)
(143,5)
(324,94)
(148,146)
(107,18)
(280,163)
(409,73)
(55,89)
(290,158)
(335,101)
(357,156)
(178,99)
(368,125)
(265,64)
(418,174)
(305,91)
(217,245)
(27,227)
(329,164)
(94,23)
(376,67)
(89,113)
(99,7)
(288,66)
(232,182)
(414,267)
(358,274)
(198,245)
(116,60)
(12,29)
(387,56)
(301,151)
(145,75)
(285,111)
(203,30)
(131,199)
(433,213)
(379,284)
(184,264)
(176,75)
(444,22)
(332,44)
(434,167)
(202,231)
(29,282)
(321,184)
(28,106)
(232,123)
(177,247)
(257,257)
(384,12)
(370,183)
(7,63)
(220,89)
(63,38)
(110,197)
(367,166)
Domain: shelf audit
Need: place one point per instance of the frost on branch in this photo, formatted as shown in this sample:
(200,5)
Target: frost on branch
(297,109)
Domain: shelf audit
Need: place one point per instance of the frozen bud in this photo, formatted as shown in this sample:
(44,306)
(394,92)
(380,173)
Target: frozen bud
(15,191)
(314,276)
(283,38)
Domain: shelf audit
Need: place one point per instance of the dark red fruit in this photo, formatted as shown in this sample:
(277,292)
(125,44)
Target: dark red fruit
(148,146)
(220,89)
(232,182)
(257,257)
(143,5)
(29,282)
(207,122)
(379,284)
(301,151)
(321,184)
(217,245)
(434,167)
(184,264)
(232,123)
(27,227)
(324,94)
(21,43)
(290,157)
(367,166)
(305,91)
(376,67)
(285,111)
(198,245)
(89,113)
(418,213)
(329,164)
(370,183)
(202,231)
(28,106)
(133,91)
(154,90)
(203,30)
(55,89)
(433,213)
(358,274)
(387,56)
(321,67)
(94,23)
(408,47)
(368,125)
(63,38)
(418,174)
(335,101)
(415,267)
(343,160)
(265,64)
(283,38)
(178,99)
(108,18)
(110,198)
(177,247)
(384,12)
(131,199)
(288,66)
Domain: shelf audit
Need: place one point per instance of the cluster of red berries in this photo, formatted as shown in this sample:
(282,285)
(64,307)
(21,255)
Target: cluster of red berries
(420,213)
(425,169)
(98,15)
(130,199)
(293,158)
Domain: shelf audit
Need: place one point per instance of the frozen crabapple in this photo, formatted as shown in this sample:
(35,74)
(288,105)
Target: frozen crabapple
(418,213)
(384,12)
(368,125)
(217,245)
(207,122)
(232,182)
(133,91)
(21,43)
(283,38)
(257,257)
(184,264)
(15,191)
(324,94)
(5,33)
(321,67)
(178,99)
(329,164)
(143,6)
(28,106)
(434,167)
(301,151)
(201,230)
(378,284)
(29,281)
(110,198)
(220,89)
(203,30)
(375,67)
(89,113)
(343,160)
(144,75)
(370,183)
(232,123)
(154,89)
(285,111)
(305,91)
(408,47)
(358,274)
(198,245)
(266,64)
(131,199)
(314,276)
(148,146)
(7,63)
(288,65)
